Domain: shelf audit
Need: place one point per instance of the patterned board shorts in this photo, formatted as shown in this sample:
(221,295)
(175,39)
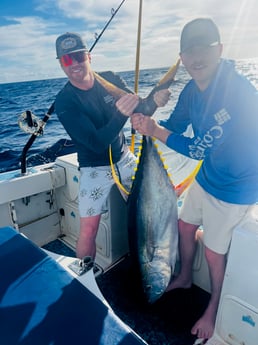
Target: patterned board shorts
(96,183)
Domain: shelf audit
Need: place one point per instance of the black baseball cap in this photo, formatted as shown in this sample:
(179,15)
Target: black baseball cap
(200,31)
(69,43)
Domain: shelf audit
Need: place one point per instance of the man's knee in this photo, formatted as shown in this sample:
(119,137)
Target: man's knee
(187,227)
(214,258)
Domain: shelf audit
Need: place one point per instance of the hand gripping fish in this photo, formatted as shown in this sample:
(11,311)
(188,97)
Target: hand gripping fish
(153,222)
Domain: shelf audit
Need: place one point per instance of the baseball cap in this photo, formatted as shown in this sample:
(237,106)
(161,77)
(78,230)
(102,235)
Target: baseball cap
(69,43)
(200,31)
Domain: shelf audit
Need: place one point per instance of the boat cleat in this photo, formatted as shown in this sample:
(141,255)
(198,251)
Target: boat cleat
(81,266)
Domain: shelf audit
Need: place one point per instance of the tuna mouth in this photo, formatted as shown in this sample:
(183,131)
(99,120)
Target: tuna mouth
(155,284)
(153,295)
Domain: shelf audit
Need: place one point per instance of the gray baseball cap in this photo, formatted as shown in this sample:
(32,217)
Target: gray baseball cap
(69,43)
(200,31)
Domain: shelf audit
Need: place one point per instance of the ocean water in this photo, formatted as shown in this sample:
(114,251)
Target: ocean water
(37,96)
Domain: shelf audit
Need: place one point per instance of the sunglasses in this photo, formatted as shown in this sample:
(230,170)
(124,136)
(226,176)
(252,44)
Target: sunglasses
(200,48)
(67,59)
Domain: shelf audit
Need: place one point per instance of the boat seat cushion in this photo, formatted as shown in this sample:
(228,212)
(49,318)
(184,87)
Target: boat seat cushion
(41,303)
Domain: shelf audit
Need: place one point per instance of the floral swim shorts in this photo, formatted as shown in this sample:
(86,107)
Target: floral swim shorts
(96,183)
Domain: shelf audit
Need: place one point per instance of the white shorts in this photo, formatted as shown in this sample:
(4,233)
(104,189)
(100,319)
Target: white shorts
(96,183)
(217,217)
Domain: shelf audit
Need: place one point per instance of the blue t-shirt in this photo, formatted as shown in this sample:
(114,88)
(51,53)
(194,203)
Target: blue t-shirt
(224,118)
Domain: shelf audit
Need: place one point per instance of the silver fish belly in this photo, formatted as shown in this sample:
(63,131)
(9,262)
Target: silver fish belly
(154,238)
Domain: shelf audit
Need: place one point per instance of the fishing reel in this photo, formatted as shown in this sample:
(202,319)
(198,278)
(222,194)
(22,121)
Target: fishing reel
(30,123)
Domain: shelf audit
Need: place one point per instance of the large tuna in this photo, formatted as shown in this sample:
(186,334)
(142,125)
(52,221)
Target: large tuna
(153,234)
(153,229)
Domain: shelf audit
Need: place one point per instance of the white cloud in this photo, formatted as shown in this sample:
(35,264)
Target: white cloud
(27,47)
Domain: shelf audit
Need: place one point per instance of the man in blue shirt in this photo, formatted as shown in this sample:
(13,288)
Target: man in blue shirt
(222,107)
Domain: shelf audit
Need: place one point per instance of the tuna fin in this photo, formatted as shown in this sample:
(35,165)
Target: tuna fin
(181,187)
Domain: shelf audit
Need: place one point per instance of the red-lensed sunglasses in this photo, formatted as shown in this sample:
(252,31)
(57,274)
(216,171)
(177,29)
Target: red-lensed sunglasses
(67,59)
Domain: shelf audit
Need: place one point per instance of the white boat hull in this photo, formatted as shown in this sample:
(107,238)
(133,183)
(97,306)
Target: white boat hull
(237,319)
(43,205)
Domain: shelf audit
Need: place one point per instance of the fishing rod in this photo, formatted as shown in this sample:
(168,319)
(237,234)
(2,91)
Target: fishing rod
(113,13)
(29,122)
(32,121)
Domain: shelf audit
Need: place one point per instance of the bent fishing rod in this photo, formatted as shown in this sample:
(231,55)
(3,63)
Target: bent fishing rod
(35,126)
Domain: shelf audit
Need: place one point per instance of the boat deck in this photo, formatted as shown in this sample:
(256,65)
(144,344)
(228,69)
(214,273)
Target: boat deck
(167,322)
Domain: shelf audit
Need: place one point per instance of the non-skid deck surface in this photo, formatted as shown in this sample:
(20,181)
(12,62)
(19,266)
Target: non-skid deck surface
(59,247)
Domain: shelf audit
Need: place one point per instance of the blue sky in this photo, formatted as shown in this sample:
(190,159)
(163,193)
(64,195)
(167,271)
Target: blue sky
(28,30)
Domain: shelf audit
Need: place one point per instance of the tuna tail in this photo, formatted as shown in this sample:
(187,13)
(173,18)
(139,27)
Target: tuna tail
(147,106)
(112,89)
(168,78)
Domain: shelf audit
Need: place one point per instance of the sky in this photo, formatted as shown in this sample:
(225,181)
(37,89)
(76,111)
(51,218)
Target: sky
(28,30)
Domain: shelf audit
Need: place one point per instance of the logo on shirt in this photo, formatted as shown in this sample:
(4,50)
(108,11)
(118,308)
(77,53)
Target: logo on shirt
(201,144)
(222,116)
(109,99)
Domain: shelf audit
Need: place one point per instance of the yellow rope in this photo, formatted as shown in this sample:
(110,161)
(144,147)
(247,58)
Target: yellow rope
(120,186)
(180,188)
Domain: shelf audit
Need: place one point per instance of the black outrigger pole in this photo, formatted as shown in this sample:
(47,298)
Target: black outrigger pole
(51,109)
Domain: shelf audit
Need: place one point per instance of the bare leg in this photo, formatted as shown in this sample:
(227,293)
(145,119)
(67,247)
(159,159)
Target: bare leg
(187,247)
(204,327)
(86,245)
